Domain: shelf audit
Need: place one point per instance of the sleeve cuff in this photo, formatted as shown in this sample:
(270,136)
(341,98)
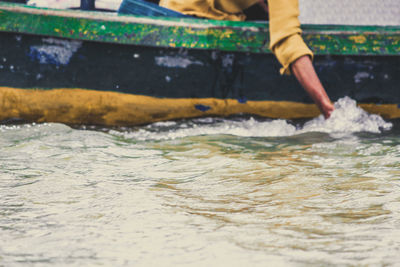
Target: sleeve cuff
(289,50)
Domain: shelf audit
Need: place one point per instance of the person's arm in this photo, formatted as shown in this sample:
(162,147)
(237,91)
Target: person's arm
(305,73)
(291,51)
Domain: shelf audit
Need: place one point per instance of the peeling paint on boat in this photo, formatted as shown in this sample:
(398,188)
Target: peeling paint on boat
(361,76)
(54,51)
(176,61)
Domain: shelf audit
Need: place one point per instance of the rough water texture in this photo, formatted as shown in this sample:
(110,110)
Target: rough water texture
(346,119)
(204,192)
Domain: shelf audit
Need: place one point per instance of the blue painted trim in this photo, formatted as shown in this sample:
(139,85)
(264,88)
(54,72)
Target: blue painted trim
(144,8)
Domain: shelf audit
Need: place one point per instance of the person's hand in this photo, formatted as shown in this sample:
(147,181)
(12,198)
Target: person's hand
(327,109)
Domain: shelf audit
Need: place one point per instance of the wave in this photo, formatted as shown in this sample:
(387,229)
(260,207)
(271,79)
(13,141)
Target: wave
(347,118)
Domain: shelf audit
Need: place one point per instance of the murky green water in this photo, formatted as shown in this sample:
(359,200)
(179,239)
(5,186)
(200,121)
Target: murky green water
(218,192)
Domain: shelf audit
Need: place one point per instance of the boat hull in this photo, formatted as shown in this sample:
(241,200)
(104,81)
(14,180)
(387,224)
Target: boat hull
(78,81)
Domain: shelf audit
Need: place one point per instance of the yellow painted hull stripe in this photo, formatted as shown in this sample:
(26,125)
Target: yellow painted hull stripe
(90,107)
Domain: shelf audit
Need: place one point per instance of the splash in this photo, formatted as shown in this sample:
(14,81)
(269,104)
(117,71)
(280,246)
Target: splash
(211,126)
(347,118)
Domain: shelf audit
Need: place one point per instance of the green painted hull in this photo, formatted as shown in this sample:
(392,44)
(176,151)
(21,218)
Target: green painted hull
(188,59)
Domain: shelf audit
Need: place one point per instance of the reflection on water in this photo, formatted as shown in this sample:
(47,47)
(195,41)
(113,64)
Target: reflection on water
(222,192)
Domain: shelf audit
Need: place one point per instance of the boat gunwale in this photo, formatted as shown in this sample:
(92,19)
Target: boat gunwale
(201,33)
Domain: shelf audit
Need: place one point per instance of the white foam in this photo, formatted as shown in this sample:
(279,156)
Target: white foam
(347,118)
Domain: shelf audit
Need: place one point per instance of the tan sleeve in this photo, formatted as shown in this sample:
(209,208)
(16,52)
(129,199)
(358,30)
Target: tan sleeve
(236,6)
(211,9)
(285,33)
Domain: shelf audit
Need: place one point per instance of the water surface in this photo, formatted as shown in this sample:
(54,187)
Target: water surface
(222,192)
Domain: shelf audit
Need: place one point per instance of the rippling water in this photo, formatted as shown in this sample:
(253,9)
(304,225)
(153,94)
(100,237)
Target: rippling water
(220,192)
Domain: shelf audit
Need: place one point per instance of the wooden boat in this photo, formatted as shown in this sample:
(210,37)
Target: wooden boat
(82,67)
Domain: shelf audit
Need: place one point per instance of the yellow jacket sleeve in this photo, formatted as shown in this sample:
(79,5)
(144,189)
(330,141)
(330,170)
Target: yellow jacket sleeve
(211,9)
(285,33)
